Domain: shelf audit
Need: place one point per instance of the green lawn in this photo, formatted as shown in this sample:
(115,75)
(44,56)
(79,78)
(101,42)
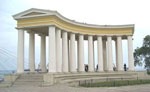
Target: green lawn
(116,83)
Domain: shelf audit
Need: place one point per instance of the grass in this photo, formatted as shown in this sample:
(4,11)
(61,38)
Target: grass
(116,83)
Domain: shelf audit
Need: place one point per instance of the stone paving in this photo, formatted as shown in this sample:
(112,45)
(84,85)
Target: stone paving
(65,88)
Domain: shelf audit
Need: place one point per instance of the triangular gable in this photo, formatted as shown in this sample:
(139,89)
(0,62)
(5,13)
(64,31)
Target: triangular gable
(33,13)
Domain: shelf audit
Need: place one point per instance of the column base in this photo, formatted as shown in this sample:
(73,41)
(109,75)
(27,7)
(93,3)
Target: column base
(91,72)
(33,72)
(73,72)
(81,72)
(130,71)
(109,71)
(100,71)
(120,70)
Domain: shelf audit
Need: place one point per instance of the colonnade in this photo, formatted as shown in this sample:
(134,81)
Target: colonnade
(62,51)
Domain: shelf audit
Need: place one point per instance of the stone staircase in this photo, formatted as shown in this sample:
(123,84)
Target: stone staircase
(31,80)
(47,79)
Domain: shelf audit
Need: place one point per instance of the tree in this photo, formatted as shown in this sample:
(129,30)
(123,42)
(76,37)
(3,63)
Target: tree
(142,54)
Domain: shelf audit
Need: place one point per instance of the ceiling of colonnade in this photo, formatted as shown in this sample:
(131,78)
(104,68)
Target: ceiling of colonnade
(38,20)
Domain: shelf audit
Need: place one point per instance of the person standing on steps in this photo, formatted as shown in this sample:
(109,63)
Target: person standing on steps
(125,67)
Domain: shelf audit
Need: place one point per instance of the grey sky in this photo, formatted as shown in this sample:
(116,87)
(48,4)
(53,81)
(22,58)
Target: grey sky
(89,11)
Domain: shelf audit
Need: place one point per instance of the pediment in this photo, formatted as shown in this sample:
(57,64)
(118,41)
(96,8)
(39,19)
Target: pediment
(33,13)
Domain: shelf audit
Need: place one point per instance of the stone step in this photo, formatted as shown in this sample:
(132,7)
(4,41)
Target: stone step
(29,80)
(5,84)
(96,79)
(27,83)
(77,77)
(31,75)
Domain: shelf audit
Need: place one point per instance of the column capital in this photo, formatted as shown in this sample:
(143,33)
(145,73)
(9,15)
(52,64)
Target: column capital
(99,35)
(30,31)
(52,26)
(58,29)
(80,35)
(119,36)
(19,29)
(109,35)
(42,34)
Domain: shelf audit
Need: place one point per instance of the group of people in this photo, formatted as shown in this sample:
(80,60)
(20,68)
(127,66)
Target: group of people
(86,68)
(114,68)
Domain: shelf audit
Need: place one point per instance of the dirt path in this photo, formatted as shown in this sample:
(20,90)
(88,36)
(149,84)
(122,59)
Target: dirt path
(65,88)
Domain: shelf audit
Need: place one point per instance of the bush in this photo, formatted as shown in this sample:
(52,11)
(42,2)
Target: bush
(148,71)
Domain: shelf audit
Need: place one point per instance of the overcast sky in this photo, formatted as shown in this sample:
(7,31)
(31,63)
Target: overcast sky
(102,12)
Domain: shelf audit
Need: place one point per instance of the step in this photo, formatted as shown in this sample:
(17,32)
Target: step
(29,80)
(5,84)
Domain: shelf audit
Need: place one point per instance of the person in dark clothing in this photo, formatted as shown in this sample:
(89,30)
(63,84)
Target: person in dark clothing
(97,67)
(125,67)
(86,68)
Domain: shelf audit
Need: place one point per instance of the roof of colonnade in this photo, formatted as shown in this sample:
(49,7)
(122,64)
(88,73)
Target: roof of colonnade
(35,18)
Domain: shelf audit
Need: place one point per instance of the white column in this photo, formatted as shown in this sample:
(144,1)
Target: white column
(81,53)
(58,51)
(20,54)
(64,52)
(31,52)
(116,47)
(100,53)
(90,54)
(104,55)
(110,58)
(72,53)
(43,53)
(130,54)
(52,50)
(119,60)
(68,53)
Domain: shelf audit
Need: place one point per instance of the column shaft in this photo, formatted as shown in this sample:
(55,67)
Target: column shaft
(100,53)
(116,46)
(110,58)
(31,52)
(64,52)
(20,54)
(104,55)
(130,54)
(81,53)
(58,51)
(43,53)
(72,53)
(90,54)
(52,50)
(119,54)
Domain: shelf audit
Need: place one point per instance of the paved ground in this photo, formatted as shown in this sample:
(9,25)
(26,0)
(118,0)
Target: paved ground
(65,88)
